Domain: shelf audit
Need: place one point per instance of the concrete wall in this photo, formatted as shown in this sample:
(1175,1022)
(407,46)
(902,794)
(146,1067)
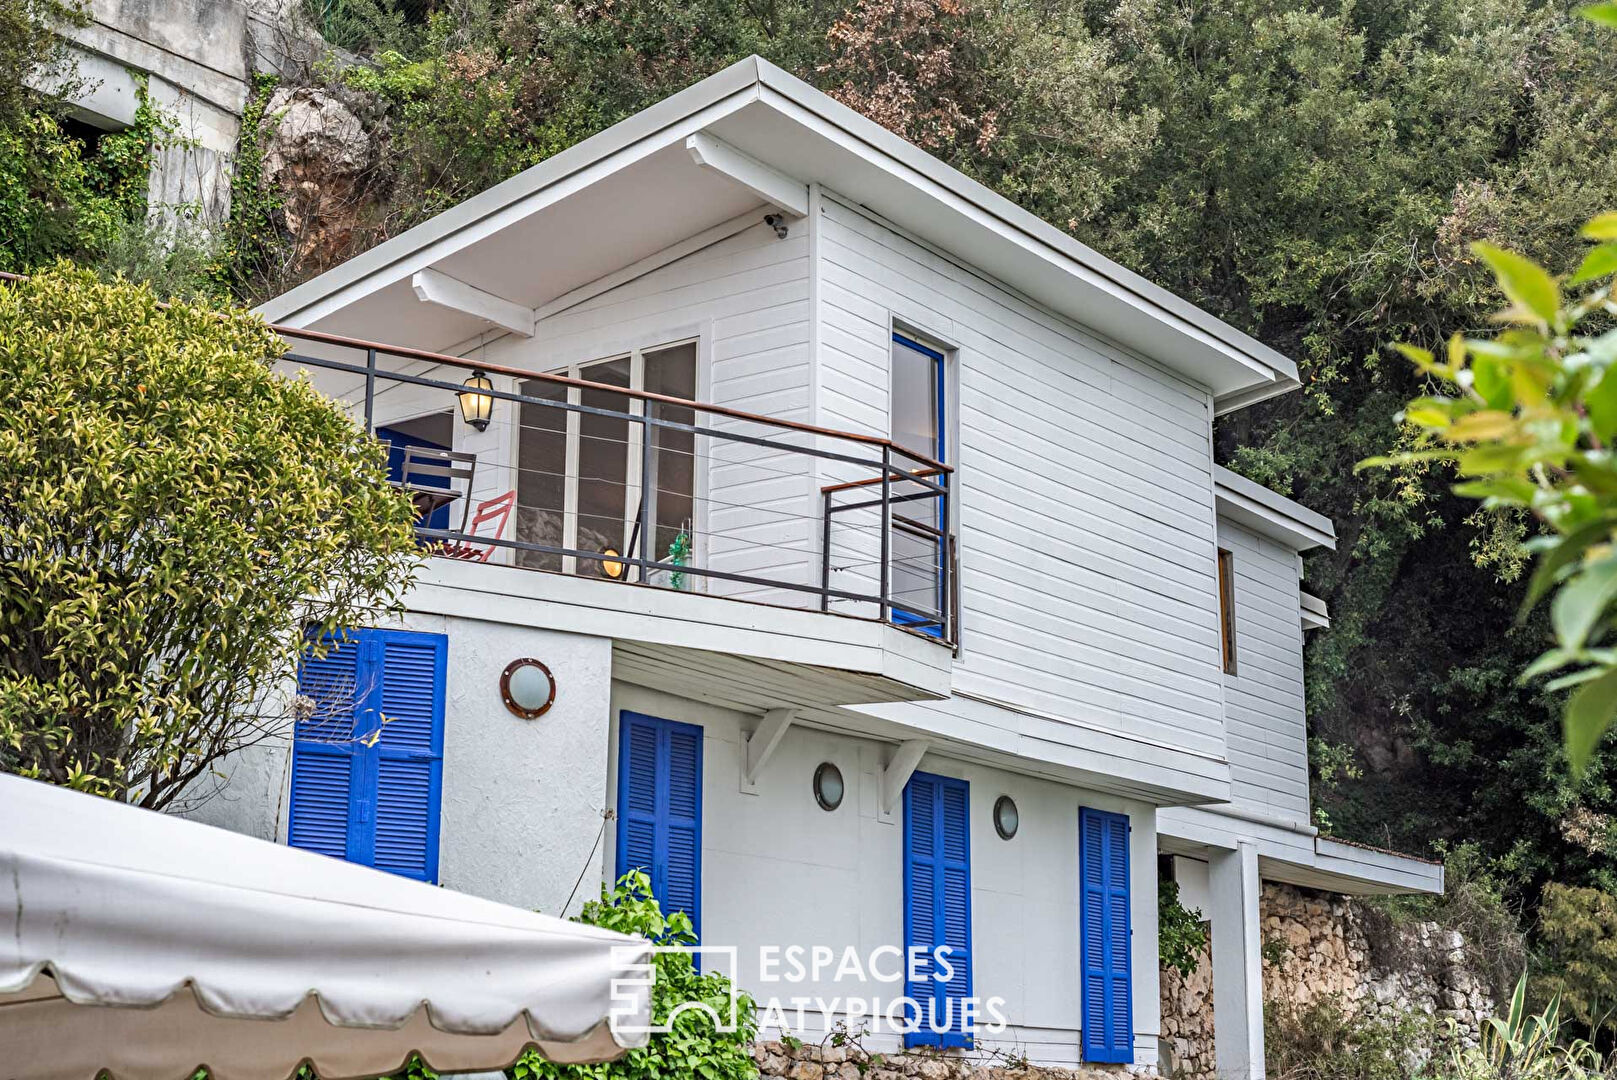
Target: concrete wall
(777,869)
(522,799)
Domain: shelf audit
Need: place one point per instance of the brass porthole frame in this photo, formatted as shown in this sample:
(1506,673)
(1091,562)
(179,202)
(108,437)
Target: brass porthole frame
(505,688)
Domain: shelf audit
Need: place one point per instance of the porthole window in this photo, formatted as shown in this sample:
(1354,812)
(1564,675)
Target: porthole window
(1006,819)
(527,688)
(828,788)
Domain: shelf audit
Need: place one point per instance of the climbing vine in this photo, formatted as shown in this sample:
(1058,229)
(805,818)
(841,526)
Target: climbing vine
(251,238)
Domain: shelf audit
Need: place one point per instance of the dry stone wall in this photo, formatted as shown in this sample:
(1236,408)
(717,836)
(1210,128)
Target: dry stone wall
(1324,947)
(817,1061)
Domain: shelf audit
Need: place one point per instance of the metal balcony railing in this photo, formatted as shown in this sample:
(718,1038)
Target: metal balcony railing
(613,480)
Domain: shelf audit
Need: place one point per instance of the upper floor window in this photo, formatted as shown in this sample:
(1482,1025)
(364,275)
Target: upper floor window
(1226,608)
(918,422)
(579,472)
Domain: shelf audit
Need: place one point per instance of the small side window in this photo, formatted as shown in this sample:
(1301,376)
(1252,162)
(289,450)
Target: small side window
(1226,608)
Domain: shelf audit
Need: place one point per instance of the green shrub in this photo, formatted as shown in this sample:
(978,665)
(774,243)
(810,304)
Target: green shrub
(1180,935)
(1324,1041)
(693,1048)
(1577,929)
(175,513)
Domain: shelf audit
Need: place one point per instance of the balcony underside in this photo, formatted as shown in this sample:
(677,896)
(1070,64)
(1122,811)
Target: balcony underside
(717,649)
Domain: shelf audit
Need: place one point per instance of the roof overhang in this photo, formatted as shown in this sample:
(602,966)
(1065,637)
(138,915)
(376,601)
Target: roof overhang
(1248,503)
(745,140)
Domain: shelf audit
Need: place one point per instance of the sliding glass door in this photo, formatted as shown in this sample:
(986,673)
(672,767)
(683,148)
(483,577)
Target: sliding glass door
(581,473)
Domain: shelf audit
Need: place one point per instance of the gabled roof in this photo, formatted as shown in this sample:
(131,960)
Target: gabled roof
(645,185)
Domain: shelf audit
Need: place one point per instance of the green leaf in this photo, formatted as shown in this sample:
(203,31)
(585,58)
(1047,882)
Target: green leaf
(1598,263)
(1605,14)
(1565,550)
(1588,716)
(1523,280)
(1581,602)
(1602,226)
(1600,402)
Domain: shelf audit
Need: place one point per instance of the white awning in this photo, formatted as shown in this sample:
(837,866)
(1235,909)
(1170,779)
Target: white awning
(148,945)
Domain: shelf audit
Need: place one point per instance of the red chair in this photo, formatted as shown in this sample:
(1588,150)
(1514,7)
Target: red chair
(498,511)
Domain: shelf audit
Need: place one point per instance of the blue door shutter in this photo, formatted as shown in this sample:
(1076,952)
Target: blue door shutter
(409,747)
(367,760)
(660,809)
(1108,1010)
(937,904)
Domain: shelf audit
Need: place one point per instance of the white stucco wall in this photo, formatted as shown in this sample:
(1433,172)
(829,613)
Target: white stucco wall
(522,800)
(778,870)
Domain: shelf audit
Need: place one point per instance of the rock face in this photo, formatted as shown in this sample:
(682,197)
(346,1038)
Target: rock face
(318,157)
(811,1061)
(1323,947)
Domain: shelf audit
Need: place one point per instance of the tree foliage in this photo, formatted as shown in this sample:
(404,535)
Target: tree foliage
(175,515)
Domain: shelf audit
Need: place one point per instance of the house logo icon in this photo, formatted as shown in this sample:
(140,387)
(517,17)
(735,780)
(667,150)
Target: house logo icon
(625,1017)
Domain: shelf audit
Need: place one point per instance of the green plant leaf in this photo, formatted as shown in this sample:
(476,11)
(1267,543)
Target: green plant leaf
(1581,602)
(1523,280)
(1603,226)
(1564,551)
(1598,263)
(1605,14)
(1588,715)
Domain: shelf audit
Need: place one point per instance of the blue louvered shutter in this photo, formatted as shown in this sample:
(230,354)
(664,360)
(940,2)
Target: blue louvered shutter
(326,783)
(408,751)
(937,904)
(660,809)
(1108,1011)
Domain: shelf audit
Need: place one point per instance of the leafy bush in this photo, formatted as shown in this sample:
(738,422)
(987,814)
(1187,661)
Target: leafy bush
(1181,936)
(175,515)
(694,1048)
(1577,929)
(1324,1041)
(1523,1046)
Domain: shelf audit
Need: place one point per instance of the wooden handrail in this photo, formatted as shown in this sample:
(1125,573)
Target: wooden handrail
(917,474)
(408,353)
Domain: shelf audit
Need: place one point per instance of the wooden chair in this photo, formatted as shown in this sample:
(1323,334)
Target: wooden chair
(430,467)
(496,510)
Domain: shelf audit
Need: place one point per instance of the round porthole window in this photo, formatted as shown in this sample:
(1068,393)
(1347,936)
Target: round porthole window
(527,688)
(828,788)
(1006,818)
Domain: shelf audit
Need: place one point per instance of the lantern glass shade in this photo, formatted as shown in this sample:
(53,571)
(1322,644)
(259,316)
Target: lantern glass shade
(610,565)
(476,403)
(828,787)
(1006,819)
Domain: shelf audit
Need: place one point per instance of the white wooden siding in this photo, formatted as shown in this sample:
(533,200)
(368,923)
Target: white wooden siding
(1086,519)
(1264,706)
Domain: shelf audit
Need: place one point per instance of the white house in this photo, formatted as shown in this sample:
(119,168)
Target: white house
(948,630)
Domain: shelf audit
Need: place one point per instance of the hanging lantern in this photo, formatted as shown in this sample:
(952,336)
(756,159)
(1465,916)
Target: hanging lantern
(476,403)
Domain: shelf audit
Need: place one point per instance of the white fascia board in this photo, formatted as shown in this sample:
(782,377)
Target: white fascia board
(436,287)
(1037,235)
(773,187)
(663,124)
(1315,615)
(1273,515)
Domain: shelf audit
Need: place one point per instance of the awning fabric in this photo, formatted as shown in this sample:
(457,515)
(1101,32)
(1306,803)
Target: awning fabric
(148,946)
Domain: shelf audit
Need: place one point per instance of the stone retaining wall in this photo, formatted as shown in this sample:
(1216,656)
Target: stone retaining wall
(1322,946)
(816,1061)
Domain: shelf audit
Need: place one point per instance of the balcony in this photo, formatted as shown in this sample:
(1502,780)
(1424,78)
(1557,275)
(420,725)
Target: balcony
(624,493)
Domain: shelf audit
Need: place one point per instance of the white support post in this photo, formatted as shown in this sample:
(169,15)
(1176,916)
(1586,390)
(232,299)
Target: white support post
(897,774)
(1233,891)
(436,287)
(761,745)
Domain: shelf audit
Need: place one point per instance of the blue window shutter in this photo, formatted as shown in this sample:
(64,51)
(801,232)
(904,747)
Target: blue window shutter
(937,902)
(660,809)
(1108,1010)
(407,737)
(322,814)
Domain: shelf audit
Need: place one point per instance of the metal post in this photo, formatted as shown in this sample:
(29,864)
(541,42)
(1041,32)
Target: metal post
(648,481)
(370,391)
(946,626)
(886,526)
(825,551)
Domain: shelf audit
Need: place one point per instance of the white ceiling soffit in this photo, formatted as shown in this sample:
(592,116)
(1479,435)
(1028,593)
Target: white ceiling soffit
(767,127)
(1249,503)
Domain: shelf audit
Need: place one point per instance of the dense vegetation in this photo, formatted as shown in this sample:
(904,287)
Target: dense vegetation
(1312,171)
